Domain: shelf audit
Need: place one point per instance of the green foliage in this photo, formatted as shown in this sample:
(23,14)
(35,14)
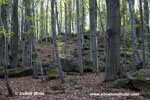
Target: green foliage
(38,47)
(146,95)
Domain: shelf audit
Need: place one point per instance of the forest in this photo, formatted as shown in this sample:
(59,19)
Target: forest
(74,50)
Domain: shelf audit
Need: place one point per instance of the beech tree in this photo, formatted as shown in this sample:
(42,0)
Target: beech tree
(113,68)
(14,38)
(54,40)
(5,45)
(93,34)
(79,38)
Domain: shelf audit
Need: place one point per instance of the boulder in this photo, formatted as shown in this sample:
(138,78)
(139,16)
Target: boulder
(17,72)
(69,65)
(87,66)
(101,66)
(120,83)
(140,79)
(52,72)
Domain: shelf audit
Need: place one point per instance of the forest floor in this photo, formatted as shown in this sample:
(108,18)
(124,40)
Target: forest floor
(76,87)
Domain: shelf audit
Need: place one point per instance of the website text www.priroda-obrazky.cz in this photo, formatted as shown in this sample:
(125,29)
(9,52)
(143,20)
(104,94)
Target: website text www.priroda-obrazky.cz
(3,1)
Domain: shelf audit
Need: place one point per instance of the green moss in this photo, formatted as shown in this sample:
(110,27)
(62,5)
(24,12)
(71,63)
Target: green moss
(52,72)
(146,95)
(19,69)
(76,67)
(140,77)
(72,73)
(122,83)
(11,73)
(51,75)
(88,63)
(72,82)
(57,87)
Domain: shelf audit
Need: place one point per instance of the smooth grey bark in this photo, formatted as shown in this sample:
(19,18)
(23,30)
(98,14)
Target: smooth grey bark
(37,24)
(55,42)
(101,27)
(124,31)
(83,23)
(1,41)
(14,38)
(34,52)
(22,22)
(26,55)
(58,24)
(146,19)
(79,50)
(134,31)
(41,20)
(133,35)
(61,18)
(142,36)
(93,34)
(70,17)
(4,48)
(113,68)
(46,34)
(95,13)
(66,22)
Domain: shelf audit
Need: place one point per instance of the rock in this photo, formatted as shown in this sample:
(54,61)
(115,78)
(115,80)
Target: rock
(120,83)
(139,65)
(87,66)
(72,73)
(52,72)
(140,79)
(69,65)
(101,66)
(17,72)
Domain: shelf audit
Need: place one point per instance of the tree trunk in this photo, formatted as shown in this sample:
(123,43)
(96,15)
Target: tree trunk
(133,35)
(146,19)
(41,21)
(55,42)
(4,48)
(70,17)
(79,38)
(124,31)
(26,56)
(142,34)
(14,39)
(83,23)
(46,34)
(66,22)
(113,68)
(34,52)
(93,34)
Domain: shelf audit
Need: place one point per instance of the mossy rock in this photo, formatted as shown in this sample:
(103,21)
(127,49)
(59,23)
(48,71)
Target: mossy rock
(101,66)
(120,83)
(72,73)
(70,65)
(146,95)
(140,79)
(52,72)
(87,66)
(17,72)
